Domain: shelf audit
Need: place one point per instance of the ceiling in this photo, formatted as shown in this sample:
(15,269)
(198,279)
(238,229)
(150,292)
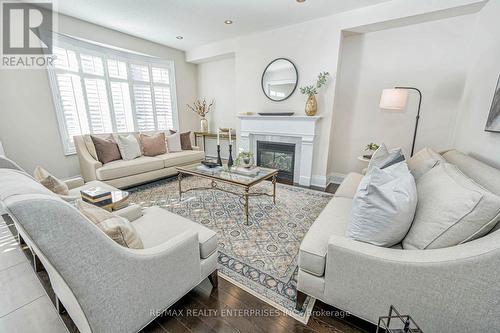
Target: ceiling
(201,21)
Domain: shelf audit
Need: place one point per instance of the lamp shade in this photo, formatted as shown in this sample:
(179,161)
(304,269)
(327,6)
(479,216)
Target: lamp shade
(393,99)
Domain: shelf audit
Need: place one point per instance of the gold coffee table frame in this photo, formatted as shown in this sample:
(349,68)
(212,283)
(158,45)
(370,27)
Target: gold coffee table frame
(231,178)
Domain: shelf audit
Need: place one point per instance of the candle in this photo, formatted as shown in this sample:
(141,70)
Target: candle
(218,138)
(229,133)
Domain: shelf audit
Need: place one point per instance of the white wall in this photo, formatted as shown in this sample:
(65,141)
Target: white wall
(314,46)
(429,56)
(28,124)
(483,71)
(216,80)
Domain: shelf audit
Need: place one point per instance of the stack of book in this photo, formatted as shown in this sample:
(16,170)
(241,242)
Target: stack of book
(98,196)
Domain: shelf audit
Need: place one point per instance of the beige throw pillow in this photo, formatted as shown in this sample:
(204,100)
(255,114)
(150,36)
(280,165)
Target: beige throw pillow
(116,227)
(153,145)
(452,209)
(49,181)
(423,161)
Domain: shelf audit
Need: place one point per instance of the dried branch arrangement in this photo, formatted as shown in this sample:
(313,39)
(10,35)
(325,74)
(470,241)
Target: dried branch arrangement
(201,108)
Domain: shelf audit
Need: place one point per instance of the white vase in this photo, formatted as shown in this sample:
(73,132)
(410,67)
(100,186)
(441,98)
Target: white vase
(204,125)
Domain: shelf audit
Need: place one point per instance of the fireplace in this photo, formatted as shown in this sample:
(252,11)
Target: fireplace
(277,155)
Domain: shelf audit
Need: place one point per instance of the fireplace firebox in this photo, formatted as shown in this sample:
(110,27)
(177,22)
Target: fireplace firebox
(277,155)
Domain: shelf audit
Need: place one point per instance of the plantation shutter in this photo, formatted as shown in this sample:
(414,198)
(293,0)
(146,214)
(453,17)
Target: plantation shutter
(102,90)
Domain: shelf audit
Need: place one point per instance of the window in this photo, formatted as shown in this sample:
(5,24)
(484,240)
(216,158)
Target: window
(102,90)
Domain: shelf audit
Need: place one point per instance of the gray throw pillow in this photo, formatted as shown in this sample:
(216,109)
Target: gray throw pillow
(384,206)
(383,158)
(452,209)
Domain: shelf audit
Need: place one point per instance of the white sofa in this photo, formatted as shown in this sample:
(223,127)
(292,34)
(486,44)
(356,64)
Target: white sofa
(453,289)
(103,286)
(123,173)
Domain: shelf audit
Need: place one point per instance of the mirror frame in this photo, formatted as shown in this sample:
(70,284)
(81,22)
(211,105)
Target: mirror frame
(296,82)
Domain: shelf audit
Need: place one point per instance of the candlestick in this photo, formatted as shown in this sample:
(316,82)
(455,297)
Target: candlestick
(219,160)
(229,133)
(218,138)
(230,160)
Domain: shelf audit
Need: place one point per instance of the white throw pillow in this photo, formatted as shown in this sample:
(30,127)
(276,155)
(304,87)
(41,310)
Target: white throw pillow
(423,161)
(174,143)
(384,206)
(129,146)
(452,209)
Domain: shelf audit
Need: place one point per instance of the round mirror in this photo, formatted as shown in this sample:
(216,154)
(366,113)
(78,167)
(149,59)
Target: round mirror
(279,79)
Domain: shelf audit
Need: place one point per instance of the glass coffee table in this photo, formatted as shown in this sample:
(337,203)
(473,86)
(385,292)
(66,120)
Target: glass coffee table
(226,176)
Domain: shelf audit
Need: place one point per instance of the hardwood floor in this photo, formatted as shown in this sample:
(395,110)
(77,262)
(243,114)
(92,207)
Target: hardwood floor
(229,308)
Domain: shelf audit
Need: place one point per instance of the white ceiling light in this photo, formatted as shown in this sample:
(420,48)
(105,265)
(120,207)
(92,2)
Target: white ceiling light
(228,22)
(179,37)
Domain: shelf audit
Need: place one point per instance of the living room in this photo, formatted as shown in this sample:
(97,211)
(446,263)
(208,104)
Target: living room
(294,165)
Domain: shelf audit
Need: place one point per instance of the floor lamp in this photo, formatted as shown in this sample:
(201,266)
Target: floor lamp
(395,99)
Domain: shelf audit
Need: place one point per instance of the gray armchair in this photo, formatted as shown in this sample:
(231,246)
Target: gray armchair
(103,286)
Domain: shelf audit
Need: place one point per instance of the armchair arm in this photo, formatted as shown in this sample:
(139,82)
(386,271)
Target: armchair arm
(131,213)
(365,280)
(74,182)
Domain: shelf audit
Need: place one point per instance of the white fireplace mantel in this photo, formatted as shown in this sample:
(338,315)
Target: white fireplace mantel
(300,130)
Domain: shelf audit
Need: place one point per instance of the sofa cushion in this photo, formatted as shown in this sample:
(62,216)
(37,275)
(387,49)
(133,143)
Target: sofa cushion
(121,168)
(383,158)
(129,146)
(349,185)
(384,206)
(185,140)
(116,227)
(153,145)
(423,161)
(333,220)
(49,181)
(182,157)
(158,225)
(452,209)
(106,148)
(174,143)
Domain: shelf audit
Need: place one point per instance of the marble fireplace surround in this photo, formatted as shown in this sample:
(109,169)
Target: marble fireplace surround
(299,130)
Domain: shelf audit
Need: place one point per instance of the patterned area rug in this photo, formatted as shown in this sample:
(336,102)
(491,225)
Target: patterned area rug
(261,257)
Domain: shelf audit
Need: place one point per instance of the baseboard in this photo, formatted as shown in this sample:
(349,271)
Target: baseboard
(319,181)
(336,178)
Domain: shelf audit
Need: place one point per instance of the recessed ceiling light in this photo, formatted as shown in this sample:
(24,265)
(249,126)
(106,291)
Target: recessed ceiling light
(228,22)
(179,37)
(301,1)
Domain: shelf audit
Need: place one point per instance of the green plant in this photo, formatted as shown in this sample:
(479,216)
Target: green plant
(244,155)
(313,89)
(372,146)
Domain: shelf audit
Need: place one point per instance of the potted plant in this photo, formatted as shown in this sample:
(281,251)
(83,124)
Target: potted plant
(201,108)
(371,148)
(245,159)
(311,91)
